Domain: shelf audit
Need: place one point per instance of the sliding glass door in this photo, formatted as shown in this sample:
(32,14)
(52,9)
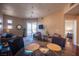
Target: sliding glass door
(31,28)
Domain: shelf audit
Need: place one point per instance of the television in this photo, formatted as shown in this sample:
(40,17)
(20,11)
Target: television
(41,26)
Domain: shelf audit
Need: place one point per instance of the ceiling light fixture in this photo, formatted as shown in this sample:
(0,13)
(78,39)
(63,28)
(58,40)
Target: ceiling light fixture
(32,12)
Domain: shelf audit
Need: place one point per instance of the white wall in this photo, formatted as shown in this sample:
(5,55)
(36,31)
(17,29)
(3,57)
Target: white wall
(74,32)
(54,23)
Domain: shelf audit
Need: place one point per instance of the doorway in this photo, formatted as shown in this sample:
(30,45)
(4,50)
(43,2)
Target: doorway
(70,31)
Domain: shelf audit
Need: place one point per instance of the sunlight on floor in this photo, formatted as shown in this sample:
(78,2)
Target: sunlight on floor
(28,39)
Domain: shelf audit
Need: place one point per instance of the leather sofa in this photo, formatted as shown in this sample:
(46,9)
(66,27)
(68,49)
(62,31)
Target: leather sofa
(59,40)
(16,45)
(4,37)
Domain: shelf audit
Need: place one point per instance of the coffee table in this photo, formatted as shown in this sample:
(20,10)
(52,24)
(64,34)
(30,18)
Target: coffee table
(54,47)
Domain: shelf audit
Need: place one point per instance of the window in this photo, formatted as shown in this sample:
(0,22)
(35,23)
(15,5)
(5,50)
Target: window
(0,26)
(0,23)
(9,24)
(9,21)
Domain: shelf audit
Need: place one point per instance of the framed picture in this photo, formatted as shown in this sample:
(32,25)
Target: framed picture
(19,27)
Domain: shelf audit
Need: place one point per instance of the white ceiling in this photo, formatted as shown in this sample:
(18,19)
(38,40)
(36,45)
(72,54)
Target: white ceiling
(74,11)
(30,10)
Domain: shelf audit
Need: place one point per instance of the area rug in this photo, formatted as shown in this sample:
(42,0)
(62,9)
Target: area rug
(32,47)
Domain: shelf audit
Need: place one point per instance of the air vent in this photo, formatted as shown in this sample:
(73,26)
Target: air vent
(72,4)
(42,17)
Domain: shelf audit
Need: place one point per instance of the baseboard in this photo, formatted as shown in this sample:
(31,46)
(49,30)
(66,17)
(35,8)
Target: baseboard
(78,45)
